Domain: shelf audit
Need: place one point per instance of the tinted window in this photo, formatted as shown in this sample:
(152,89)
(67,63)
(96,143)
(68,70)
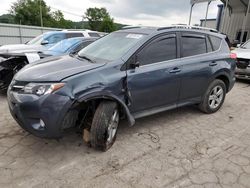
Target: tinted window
(71,35)
(64,45)
(193,45)
(161,49)
(94,35)
(81,46)
(209,45)
(55,38)
(216,42)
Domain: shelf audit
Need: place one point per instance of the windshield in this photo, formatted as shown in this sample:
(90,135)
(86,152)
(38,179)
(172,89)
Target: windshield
(112,46)
(64,45)
(246,45)
(36,40)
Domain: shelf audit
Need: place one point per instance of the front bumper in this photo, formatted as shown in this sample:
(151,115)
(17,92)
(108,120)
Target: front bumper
(6,76)
(243,74)
(29,110)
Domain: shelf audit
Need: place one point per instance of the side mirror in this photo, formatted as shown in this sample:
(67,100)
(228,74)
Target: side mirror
(135,64)
(44,42)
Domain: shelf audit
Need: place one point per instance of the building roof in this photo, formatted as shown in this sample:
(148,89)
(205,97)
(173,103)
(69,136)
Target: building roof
(237,4)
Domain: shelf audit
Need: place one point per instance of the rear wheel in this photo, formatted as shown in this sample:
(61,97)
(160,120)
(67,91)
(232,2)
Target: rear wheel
(104,125)
(214,97)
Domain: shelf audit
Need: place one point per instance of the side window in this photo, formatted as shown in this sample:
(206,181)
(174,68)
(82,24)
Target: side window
(56,38)
(216,42)
(81,46)
(193,44)
(71,35)
(94,35)
(161,49)
(209,45)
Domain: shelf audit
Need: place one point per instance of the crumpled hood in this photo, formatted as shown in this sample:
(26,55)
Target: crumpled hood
(55,69)
(21,48)
(242,53)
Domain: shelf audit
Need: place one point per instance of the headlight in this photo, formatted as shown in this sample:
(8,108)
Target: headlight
(42,89)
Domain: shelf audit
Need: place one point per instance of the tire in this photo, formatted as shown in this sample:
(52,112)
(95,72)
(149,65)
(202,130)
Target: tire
(101,135)
(211,95)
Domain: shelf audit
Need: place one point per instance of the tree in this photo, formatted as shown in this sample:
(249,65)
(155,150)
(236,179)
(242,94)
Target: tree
(59,21)
(99,19)
(108,25)
(27,12)
(7,18)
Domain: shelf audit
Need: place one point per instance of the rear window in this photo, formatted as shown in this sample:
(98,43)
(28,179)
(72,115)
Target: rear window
(216,42)
(193,44)
(94,35)
(71,35)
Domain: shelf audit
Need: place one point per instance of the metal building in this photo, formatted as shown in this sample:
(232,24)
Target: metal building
(233,18)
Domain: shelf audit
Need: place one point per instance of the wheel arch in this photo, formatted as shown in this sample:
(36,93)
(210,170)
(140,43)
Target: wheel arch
(108,96)
(225,79)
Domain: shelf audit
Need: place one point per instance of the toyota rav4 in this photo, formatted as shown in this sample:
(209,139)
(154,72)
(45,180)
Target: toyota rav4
(127,74)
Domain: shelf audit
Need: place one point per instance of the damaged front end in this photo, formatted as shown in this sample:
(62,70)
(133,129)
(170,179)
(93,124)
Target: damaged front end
(8,68)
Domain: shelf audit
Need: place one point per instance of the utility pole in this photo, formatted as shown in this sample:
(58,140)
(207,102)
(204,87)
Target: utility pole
(41,14)
(190,15)
(208,3)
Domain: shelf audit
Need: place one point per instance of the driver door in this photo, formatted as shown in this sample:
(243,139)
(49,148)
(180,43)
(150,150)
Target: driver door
(156,82)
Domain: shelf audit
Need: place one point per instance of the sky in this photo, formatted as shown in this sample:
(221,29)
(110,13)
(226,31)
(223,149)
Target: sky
(132,12)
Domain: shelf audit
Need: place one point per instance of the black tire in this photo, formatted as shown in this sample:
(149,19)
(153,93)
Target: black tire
(204,105)
(99,129)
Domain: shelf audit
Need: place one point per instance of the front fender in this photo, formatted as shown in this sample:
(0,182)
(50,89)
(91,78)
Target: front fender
(109,96)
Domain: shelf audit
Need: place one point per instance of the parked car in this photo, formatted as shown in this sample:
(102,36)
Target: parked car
(243,61)
(128,74)
(46,40)
(67,46)
(15,61)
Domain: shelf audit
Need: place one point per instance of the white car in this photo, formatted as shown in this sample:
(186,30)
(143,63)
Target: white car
(46,40)
(243,61)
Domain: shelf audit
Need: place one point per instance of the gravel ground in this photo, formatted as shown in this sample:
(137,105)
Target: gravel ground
(179,148)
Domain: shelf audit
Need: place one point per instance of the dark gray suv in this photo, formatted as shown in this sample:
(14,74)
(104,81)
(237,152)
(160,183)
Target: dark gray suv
(128,74)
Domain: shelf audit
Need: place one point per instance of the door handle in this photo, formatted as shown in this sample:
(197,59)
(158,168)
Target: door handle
(212,64)
(175,70)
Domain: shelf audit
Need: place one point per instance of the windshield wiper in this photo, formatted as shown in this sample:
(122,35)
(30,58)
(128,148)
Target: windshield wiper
(87,58)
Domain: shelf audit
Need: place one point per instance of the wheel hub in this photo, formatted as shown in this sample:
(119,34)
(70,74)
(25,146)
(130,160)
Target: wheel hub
(216,97)
(113,125)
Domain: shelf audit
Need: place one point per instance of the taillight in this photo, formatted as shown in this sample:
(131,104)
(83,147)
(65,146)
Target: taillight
(233,56)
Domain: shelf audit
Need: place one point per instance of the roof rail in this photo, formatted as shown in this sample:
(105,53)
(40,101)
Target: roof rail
(182,26)
(130,27)
(75,30)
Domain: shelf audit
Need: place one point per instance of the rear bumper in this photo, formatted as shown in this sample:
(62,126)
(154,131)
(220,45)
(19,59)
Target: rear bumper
(29,110)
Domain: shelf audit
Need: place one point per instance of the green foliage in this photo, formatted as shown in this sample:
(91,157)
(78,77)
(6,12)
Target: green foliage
(100,20)
(7,18)
(27,12)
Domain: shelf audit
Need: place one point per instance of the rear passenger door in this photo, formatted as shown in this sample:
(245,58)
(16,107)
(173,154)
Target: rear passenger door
(197,66)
